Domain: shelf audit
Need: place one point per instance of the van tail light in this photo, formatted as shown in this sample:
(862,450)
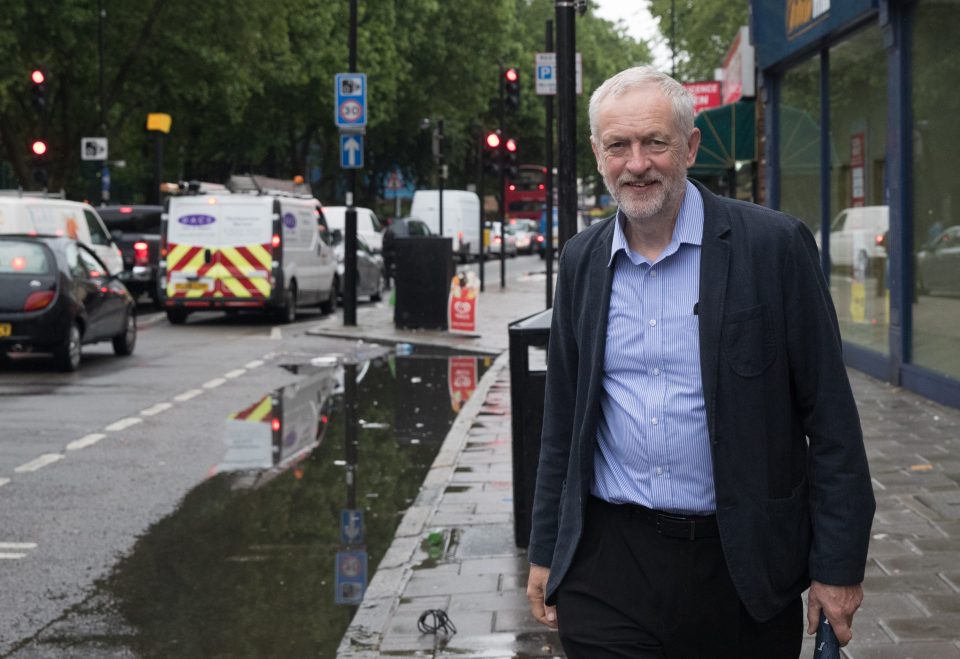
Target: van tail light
(275,241)
(38,300)
(275,424)
(141,253)
(163,246)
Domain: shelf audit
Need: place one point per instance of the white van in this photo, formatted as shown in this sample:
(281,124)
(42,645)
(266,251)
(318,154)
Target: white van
(271,252)
(461,218)
(60,217)
(369,226)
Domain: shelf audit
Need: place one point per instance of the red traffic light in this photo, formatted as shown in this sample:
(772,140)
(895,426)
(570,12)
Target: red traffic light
(511,145)
(37,77)
(39,147)
(511,75)
(492,140)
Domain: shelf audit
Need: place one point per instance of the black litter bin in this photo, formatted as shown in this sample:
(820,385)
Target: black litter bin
(528,381)
(424,271)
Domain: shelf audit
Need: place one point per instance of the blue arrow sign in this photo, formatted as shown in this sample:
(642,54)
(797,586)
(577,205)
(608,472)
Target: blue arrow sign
(351,527)
(351,93)
(351,151)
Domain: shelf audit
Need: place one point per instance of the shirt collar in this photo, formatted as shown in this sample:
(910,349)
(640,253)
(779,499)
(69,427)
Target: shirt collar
(688,229)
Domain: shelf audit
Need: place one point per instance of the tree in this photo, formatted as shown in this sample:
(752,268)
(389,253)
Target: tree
(703,31)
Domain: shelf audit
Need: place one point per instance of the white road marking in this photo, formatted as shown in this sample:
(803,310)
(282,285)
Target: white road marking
(38,463)
(156,409)
(187,395)
(235,374)
(256,363)
(4,481)
(275,333)
(123,424)
(213,384)
(83,442)
(18,545)
(10,557)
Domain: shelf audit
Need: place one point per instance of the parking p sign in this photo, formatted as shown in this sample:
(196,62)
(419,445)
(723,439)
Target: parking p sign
(351,93)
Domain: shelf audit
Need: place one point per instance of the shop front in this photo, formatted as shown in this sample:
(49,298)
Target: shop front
(859,107)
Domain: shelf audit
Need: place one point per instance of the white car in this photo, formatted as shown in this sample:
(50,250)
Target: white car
(369,226)
(858,240)
(496,237)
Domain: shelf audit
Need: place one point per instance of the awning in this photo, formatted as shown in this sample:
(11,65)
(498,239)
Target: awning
(727,134)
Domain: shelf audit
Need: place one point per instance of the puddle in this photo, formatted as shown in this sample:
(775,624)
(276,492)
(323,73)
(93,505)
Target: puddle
(295,517)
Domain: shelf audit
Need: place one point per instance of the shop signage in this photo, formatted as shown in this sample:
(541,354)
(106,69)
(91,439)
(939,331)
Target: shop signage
(801,14)
(706,94)
(738,69)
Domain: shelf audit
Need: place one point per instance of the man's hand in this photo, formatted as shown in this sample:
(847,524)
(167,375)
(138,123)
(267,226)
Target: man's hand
(536,590)
(838,603)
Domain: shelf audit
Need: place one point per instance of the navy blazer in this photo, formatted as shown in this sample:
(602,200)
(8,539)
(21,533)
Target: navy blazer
(793,490)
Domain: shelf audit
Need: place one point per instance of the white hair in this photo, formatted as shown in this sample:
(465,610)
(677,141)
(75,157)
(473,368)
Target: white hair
(641,76)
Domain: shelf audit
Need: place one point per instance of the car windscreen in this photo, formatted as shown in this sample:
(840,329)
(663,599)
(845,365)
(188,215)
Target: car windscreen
(21,257)
(132,221)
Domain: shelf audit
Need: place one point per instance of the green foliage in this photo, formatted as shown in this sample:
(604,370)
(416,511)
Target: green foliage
(703,31)
(250,86)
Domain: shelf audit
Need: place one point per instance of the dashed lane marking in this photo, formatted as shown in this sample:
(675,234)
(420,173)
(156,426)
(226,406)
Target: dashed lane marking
(235,374)
(156,409)
(256,363)
(213,384)
(4,481)
(123,424)
(39,463)
(187,395)
(15,550)
(85,441)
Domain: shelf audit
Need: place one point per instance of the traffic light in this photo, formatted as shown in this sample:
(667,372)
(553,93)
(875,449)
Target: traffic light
(491,152)
(510,161)
(511,87)
(38,90)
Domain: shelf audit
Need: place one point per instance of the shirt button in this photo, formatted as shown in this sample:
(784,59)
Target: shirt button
(653,323)
(653,273)
(659,471)
(656,371)
(654,421)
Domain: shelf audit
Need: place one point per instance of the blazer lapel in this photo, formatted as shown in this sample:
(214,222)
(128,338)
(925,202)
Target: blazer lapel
(714,264)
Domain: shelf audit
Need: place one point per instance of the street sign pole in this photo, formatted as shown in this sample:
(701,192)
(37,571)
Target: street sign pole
(350,240)
(548,217)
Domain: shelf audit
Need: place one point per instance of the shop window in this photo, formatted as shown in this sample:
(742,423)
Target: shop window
(800,143)
(859,189)
(936,218)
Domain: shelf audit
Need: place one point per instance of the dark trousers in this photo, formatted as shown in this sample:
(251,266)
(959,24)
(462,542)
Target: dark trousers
(632,593)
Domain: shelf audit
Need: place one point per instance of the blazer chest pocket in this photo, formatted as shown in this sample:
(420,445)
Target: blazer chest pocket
(748,341)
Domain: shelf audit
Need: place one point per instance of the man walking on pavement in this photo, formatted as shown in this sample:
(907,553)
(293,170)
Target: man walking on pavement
(702,462)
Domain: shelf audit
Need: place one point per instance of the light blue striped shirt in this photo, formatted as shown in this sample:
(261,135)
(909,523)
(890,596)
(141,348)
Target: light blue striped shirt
(653,447)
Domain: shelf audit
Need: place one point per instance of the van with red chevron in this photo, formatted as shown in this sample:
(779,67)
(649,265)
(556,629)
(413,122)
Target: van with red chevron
(256,244)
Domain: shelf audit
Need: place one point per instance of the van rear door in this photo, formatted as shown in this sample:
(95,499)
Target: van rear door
(220,248)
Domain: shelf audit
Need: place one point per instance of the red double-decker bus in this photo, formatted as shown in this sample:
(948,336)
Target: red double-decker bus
(526,195)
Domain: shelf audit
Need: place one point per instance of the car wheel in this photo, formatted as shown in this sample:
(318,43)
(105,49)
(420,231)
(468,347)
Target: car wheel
(177,316)
(330,304)
(288,312)
(123,344)
(67,354)
(378,294)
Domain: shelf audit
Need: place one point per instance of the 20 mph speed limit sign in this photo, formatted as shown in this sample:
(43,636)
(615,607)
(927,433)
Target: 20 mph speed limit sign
(351,93)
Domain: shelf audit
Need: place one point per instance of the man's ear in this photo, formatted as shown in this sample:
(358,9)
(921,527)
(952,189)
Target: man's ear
(693,144)
(596,154)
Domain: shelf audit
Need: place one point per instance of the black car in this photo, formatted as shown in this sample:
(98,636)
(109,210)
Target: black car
(136,230)
(56,295)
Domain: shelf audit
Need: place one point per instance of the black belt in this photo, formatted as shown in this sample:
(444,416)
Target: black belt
(670,525)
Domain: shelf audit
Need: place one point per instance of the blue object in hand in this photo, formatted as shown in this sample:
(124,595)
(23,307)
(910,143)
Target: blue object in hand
(827,646)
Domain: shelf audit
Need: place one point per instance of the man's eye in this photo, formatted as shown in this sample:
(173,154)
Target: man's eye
(657,145)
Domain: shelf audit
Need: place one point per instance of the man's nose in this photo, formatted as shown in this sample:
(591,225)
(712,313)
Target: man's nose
(639,160)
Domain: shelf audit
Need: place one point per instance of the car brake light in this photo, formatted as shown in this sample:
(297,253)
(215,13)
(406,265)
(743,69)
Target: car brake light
(880,239)
(275,241)
(539,238)
(126,210)
(140,253)
(18,263)
(38,300)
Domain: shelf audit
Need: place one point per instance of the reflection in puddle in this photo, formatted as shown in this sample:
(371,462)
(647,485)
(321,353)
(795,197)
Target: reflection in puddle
(313,482)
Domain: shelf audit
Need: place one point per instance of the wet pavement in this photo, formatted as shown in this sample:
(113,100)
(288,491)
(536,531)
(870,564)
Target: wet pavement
(912,585)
